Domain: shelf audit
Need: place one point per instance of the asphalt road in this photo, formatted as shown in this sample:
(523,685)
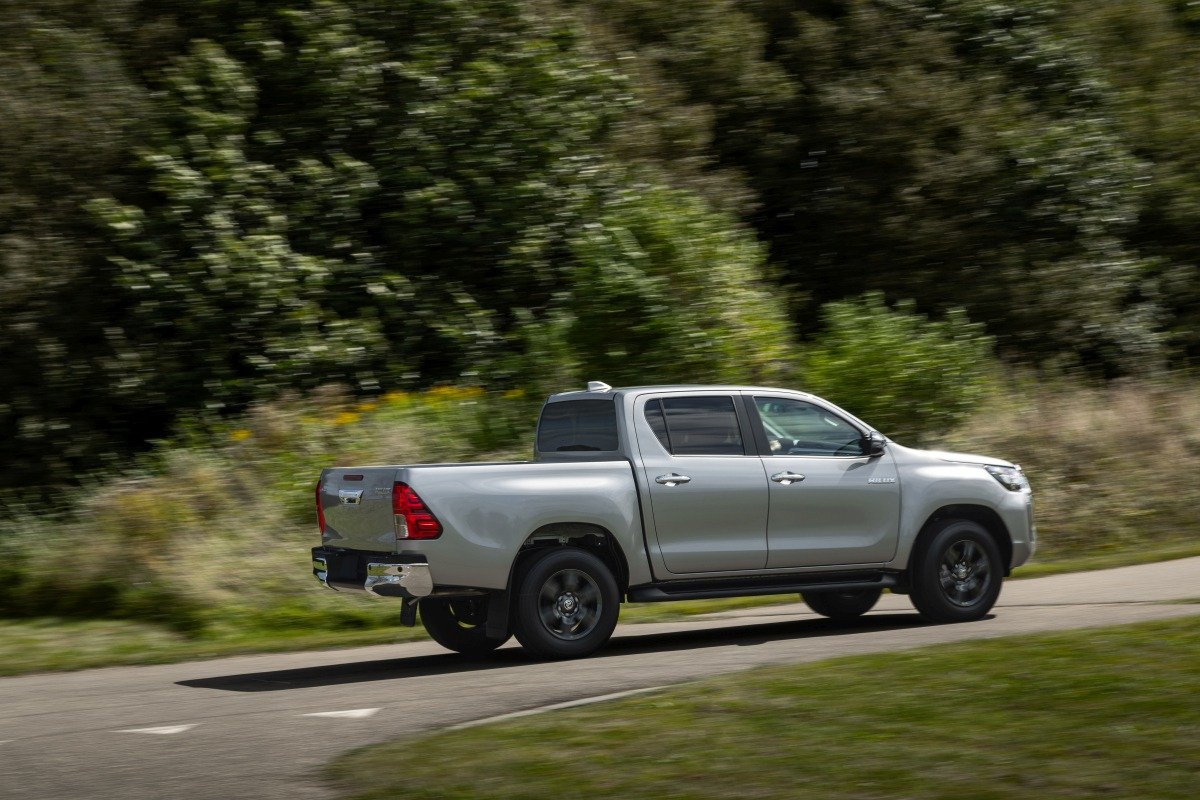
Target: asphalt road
(262,726)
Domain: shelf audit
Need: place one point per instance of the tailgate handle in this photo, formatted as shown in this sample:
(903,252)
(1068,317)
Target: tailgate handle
(350,497)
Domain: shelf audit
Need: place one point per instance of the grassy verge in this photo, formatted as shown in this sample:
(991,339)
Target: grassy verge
(46,644)
(1108,712)
(1107,560)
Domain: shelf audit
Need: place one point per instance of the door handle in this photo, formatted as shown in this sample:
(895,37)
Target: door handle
(672,479)
(787,478)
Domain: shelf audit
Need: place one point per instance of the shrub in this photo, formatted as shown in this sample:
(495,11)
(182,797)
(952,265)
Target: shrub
(908,376)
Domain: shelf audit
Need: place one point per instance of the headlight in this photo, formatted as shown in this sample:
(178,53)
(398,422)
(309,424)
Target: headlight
(1011,478)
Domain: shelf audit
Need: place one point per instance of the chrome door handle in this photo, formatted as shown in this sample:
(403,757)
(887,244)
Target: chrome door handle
(787,478)
(672,479)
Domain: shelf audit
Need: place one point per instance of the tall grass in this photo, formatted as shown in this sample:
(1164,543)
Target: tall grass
(1113,468)
(212,531)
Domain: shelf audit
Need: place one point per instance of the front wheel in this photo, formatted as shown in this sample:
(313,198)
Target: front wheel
(842,606)
(459,624)
(956,572)
(567,604)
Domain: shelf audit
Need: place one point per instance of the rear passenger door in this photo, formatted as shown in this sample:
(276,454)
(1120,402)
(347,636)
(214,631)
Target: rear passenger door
(708,489)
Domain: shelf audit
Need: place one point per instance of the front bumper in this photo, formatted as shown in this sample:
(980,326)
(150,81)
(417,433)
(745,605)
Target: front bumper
(380,574)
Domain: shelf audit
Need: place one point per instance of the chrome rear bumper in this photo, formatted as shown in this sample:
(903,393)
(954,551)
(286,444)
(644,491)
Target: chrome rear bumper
(379,578)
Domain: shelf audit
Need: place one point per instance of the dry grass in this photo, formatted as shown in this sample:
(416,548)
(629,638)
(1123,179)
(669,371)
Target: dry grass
(1113,469)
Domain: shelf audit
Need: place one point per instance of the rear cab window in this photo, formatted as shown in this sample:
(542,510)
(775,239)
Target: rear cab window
(578,426)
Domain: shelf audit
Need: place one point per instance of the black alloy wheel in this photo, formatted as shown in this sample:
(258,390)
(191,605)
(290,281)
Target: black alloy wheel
(459,624)
(956,572)
(567,604)
(842,606)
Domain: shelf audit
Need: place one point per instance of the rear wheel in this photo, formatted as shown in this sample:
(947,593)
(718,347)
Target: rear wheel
(956,572)
(459,624)
(567,604)
(842,606)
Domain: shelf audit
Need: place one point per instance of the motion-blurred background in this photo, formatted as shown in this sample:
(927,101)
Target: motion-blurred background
(244,240)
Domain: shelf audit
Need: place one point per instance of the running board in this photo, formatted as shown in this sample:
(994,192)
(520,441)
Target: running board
(705,590)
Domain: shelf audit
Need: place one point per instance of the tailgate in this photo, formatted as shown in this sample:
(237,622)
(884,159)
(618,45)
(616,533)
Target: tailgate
(358,508)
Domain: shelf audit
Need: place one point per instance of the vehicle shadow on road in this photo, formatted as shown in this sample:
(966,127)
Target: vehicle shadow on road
(507,658)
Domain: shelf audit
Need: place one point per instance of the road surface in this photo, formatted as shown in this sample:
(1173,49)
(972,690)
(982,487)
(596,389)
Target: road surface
(263,726)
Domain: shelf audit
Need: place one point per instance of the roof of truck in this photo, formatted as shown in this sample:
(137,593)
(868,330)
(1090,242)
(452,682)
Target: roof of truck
(580,394)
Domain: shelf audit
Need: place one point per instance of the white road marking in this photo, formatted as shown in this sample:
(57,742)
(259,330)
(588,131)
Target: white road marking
(529,712)
(163,729)
(354,713)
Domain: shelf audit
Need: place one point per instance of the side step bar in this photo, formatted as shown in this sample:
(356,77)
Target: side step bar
(705,590)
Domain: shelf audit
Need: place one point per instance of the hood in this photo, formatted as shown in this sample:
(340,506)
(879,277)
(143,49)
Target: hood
(969,458)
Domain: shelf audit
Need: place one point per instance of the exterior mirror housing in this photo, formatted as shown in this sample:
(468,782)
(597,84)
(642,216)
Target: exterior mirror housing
(873,443)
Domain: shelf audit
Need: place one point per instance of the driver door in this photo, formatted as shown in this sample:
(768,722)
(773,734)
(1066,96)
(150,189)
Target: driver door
(830,504)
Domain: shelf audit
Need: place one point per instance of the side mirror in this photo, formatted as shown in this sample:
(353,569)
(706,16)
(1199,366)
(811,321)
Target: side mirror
(873,443)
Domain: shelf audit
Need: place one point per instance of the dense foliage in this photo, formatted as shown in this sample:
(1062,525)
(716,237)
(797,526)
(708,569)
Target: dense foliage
(206,204)
(879,362)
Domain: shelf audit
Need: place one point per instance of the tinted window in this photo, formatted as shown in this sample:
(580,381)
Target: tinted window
(578,426)
(700,426)
(658,423)
(797,428)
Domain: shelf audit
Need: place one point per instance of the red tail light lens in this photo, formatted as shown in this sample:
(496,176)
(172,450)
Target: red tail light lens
(320,511)
(413,518)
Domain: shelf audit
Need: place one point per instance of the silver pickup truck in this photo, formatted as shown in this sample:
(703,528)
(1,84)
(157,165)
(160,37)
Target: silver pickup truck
(660,493)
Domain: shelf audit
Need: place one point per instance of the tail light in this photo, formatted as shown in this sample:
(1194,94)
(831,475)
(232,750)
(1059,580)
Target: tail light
(320,511)
(413,518)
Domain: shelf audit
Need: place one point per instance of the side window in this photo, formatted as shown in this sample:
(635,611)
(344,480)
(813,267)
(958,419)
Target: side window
(797,428)
(702,426)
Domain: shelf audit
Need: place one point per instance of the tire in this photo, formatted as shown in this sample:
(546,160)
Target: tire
(956,572)
(842,606)
(566,605)
(459,624)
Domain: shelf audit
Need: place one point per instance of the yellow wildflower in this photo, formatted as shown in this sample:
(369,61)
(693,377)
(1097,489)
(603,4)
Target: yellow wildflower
(345,418)
(240,435)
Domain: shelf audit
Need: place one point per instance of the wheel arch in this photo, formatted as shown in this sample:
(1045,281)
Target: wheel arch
(587,536)
(983,515)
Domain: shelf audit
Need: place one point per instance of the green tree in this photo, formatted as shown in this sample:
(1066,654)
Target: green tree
(220,305)
(959,152)
(666,290)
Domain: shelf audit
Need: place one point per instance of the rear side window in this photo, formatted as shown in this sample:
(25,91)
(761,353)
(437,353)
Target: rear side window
(578,426)
(701,426)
